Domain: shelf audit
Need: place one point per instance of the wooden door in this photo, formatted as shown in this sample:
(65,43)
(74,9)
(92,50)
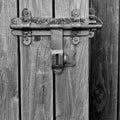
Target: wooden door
(30,90)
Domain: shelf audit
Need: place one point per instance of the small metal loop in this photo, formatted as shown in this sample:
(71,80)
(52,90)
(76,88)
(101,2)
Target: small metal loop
(91,34)
(98,20)
(57,58)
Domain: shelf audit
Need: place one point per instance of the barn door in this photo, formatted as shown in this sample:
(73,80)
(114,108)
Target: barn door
(45,95)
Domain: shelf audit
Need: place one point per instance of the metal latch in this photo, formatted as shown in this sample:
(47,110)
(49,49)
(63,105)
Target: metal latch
(28,26)
(57,48)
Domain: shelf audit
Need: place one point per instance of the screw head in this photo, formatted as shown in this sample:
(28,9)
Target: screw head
(75,13)
(75,40)
(26,12)
(14,21)
(27,41)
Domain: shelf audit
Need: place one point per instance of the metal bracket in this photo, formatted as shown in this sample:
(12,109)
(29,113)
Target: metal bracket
(27,37)
(28,26)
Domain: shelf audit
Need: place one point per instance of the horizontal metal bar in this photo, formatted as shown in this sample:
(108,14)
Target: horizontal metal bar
(48,33)
(48,27)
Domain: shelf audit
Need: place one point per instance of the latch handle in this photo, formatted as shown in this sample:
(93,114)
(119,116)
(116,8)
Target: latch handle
(57,48)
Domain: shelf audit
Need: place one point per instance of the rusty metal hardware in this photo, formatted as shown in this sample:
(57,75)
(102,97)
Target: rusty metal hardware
(28,26)
(57,48)
(27,37)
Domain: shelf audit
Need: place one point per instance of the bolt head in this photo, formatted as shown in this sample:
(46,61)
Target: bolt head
(75,13)
(26,12)
(75,40)
(27,41)
(14,21)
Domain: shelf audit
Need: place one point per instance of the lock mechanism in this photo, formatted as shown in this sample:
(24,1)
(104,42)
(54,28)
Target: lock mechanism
(28,26)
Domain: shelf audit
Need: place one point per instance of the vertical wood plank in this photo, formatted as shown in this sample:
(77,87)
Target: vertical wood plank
(36,80)
(72,84)
(9,101)
(104,63)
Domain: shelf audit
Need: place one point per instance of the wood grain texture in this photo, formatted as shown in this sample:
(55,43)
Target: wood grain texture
(72,84)
(36,80)
(9,101)
(104,63)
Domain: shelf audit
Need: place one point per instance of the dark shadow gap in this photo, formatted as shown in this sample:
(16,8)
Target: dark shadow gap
(54,82)
(19,66)
(118,93)
(90,56)
(19,78)
(53,8)
(18,8)
(54,97)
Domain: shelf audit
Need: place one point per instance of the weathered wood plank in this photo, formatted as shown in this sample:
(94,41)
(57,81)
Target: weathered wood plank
(104,63)
(72,85)
(9,101)
(36,80)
